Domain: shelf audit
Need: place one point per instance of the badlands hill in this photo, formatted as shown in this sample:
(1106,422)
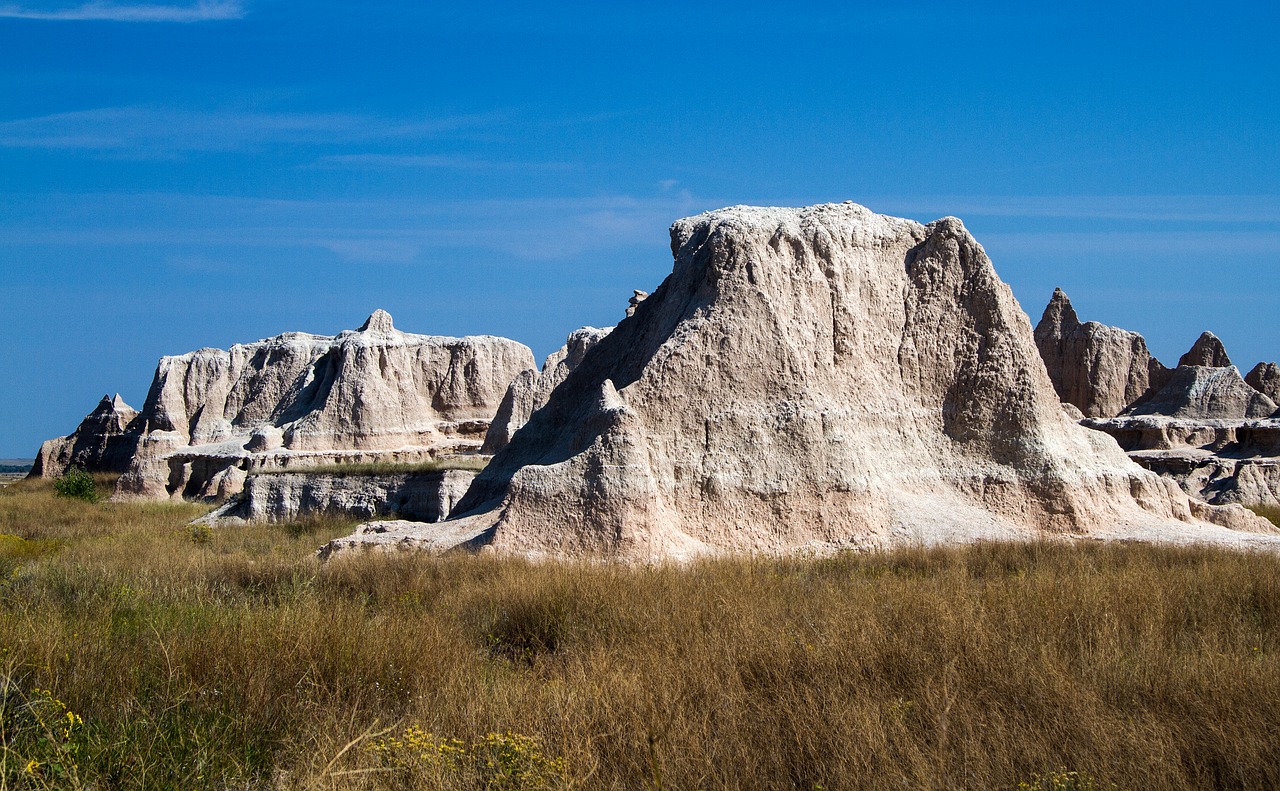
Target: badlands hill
(809,380)
(295,400)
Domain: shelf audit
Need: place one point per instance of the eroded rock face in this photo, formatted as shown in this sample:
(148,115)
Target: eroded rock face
(372,394)
(1265,378)
(807,380)
(1199,425)
(1195,392)
(104,441)
(286,497)
(1097,368)
(373,388)
(531,389)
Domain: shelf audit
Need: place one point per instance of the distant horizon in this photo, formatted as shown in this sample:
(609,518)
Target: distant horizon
(187,174)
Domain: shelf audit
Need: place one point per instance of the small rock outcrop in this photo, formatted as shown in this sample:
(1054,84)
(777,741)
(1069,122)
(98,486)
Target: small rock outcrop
(375,394)
(531,389)
(1265,378)
(105,441)
(809,380)
(1098,369)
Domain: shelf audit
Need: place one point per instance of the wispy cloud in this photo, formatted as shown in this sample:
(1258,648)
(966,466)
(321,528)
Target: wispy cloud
(204,11)
(429,161)
(1132,208)
(159,132)
(391,231)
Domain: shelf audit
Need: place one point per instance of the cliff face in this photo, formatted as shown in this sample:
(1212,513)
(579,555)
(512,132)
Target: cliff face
(807,379)
(374,388)
(372,394)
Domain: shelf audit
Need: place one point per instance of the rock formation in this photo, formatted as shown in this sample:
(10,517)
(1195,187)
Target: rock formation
(809,380)
(531,389)
(425,496)
(1206,352)
(372,394)
(1199,425)
(1097,368)
(104,441)
(1265,378)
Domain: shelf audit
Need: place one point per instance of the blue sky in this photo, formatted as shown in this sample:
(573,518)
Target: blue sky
(178,175)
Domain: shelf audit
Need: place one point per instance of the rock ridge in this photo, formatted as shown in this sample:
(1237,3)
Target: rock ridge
(372,394)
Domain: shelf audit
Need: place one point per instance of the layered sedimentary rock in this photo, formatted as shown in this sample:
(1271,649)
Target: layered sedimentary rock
(531,389)
(1265,378)
(284,497)
(369,395)
(104,441)
(1097,368)
(809,380)
(1218,461)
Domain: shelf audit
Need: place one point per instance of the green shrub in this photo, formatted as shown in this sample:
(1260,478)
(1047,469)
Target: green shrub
(78,484)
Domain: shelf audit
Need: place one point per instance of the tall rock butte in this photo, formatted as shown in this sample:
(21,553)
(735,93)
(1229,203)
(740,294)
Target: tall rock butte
(808,380)
(298,399)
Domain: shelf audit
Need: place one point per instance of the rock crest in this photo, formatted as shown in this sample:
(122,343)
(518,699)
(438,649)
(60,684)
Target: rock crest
(1202,427)
(1265,378)
(1206,393)
(103,442)
(531,389)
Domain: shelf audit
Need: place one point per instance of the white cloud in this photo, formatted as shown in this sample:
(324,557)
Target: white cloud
(429,161)
(204,11)
(160,132)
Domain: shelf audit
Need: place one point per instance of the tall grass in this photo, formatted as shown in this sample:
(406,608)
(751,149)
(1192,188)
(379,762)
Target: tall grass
(234,659)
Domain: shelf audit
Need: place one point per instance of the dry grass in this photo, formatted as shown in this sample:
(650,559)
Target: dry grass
(1267,512)
(231,658)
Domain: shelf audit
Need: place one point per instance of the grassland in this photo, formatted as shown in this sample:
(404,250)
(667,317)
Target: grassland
(138,652)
